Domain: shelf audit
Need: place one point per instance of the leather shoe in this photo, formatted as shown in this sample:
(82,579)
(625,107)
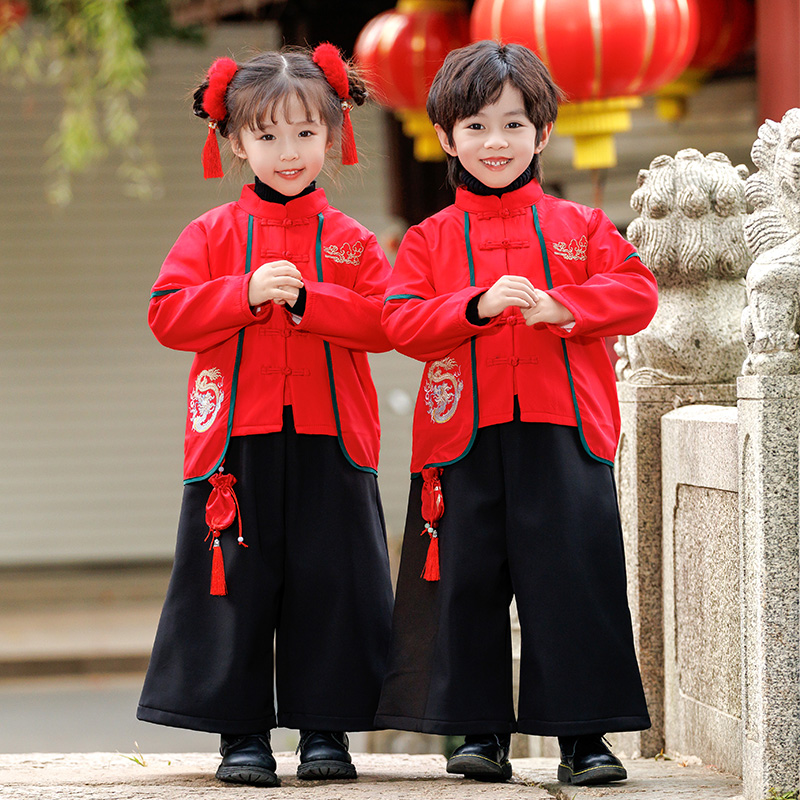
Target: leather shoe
(324,756)
(586,760)
(247,759)
(483,757)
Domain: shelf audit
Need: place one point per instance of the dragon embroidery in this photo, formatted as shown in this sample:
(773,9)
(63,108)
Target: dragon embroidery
(206,399)
(443,389)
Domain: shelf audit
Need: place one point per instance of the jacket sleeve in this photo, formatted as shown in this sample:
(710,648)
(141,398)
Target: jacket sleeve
(419,322)
(347,317)
(190,310)
(619,297)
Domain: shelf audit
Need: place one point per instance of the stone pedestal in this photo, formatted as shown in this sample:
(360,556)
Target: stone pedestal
(638,473)
(769,431)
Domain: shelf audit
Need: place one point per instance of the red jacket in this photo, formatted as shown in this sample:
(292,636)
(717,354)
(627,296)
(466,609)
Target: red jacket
(246,356)
(474,371)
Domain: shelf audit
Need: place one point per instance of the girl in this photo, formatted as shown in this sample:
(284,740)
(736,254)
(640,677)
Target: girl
(279,296)
(506,296)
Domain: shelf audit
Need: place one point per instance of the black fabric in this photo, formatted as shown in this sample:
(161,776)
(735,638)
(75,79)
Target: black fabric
(470,182)
(528,513)
(270,195)
(315,575)
(472,311)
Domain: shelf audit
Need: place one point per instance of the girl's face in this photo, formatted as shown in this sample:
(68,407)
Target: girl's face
(498,143)
(286,154)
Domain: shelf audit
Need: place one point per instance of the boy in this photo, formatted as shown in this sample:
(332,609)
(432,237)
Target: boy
(507,295)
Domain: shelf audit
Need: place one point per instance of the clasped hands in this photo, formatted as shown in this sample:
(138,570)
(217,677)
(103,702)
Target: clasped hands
(276,281)
(534,304)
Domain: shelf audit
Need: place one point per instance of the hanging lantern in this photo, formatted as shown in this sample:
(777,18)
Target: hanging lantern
(400,52)
(727,27)
(11,13)
(604,54)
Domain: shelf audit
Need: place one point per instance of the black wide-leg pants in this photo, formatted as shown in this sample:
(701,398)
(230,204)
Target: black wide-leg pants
(528,513)
(315,576)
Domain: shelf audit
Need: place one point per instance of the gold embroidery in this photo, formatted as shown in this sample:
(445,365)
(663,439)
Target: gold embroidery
(574,251)
(346,254)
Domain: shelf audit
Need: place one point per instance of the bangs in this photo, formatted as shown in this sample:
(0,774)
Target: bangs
(256,105)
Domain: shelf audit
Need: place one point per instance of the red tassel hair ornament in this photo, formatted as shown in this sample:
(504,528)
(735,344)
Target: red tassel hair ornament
(219,77)
(222,509)
(432,511)
(327,57)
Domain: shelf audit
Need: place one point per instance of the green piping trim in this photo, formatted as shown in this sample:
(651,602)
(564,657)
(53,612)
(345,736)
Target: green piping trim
(549,278)
(402,297)
(320,278)
(473,359)
(237,362)
(632,255)
(162,292)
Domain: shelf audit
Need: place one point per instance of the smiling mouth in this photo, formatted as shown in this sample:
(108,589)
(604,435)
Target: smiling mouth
(495,162)
(289,173)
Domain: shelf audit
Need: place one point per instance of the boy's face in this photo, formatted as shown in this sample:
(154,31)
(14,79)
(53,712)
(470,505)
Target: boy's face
(498,143)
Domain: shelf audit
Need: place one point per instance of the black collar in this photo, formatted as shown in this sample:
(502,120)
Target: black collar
(472,184)
(269,195)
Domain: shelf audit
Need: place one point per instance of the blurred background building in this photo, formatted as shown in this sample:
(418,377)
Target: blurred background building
(92,407)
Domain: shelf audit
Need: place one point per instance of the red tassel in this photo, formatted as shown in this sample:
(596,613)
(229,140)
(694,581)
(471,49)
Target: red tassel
(432,511)
(431,571)
(212,161)
(349,154)
(218,585)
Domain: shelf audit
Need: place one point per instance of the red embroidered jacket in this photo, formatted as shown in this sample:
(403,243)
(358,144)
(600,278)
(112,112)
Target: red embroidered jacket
(473,372)
(245,356)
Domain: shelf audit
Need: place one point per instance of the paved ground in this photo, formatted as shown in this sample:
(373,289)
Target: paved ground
(189,776)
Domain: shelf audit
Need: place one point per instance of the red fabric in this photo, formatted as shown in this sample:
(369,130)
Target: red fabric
(212,162)
(219,76)
(219,588)
(222,507)
(205,306)
(425,318)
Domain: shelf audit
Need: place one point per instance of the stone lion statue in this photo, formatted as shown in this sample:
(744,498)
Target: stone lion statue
(770,320)
(689,233)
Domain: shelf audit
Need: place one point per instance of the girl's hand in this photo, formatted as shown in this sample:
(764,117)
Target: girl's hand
(509,290)
(547,309)
(278,281)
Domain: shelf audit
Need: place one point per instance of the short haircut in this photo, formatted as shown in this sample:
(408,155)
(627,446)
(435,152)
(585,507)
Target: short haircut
(473,77)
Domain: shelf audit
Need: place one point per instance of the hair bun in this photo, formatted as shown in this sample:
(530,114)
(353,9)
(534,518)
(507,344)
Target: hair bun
(357,88)
(197,100)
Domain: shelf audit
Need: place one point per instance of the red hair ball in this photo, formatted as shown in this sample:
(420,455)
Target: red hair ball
(219,76)
(327,58)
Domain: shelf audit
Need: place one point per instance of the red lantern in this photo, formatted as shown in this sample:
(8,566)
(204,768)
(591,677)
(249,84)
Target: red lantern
(727,27)
(602,53)
(400,52)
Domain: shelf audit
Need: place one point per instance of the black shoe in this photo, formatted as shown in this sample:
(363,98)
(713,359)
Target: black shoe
(587,760)
(483,757)
(247,759)
(324,756)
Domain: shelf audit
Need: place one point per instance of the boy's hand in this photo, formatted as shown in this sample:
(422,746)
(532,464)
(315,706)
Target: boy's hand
(547,309)
(278,281)
(509,290)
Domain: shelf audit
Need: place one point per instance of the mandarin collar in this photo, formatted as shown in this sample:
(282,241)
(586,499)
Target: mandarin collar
(308,205)
(526,195)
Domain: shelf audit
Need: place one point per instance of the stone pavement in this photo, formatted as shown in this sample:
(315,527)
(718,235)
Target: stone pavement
(189,776)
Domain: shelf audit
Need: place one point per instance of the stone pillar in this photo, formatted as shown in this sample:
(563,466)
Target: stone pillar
(638,473)
(769,431)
